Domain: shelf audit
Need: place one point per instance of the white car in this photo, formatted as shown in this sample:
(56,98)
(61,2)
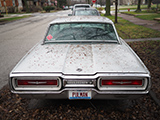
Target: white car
(81,57)
(96,5)
(85,12)
(81,6)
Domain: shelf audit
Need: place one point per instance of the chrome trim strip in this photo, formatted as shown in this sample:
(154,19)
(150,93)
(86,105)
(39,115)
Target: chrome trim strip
(121,82)
(79,76)
(79,82)
(37,83)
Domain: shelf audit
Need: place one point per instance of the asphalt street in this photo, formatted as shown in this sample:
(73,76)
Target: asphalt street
(18,37)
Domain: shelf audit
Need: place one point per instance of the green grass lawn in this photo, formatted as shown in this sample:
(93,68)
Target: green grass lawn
(139,13)
(13,18)
(148,17)
(135,7)
(128,30)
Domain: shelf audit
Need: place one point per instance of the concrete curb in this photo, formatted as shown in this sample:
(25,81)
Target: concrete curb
(153,96)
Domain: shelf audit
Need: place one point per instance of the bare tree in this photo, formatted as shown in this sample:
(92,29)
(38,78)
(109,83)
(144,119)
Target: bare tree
(139,6)
(108,3)
(149,4)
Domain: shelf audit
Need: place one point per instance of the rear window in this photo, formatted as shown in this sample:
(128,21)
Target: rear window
(86,13)
(82,6)
(81,31)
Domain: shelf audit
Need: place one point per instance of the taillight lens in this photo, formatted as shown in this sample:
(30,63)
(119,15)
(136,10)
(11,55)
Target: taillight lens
(37,82)
(121,82)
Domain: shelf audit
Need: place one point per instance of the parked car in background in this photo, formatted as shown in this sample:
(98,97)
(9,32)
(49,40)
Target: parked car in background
(96,5)
(70,7)
(81,57)
(65,7)
(81,6)
(85,12)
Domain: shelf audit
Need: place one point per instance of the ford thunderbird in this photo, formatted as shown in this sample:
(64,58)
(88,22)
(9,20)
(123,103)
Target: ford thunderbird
(81,57)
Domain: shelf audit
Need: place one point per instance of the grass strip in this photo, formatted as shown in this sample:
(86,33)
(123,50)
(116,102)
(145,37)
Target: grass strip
(14,18)
(131,7)
(145,12)
(128,30)
(148,17)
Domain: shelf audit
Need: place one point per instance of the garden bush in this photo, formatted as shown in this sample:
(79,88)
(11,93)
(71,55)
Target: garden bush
(48,8)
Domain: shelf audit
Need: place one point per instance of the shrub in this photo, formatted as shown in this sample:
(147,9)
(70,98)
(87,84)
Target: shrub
(48,8)
(37,9)
(100,9)
(11,9)
(32,8)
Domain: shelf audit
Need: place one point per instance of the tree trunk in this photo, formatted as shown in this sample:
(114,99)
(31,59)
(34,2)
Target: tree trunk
(26,6)
(88,1)
(108,8)
(100,2)
(116,4)
(149,4)
(139,6)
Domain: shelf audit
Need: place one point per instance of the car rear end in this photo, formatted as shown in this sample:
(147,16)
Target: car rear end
(98,86)
(92,70)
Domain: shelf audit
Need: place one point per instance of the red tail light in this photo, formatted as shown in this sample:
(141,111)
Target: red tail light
(37,82)
(121,82)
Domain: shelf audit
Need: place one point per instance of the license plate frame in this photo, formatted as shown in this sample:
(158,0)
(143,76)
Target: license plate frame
(79,95)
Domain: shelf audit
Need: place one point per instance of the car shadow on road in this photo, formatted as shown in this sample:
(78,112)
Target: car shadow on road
(109,105)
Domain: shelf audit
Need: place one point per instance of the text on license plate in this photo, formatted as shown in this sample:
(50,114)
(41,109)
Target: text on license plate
(79,94)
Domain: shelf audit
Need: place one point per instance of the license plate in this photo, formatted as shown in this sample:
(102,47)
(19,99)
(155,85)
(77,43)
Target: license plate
(79,94)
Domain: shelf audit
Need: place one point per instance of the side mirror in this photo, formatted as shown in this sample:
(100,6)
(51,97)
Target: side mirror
(71,8)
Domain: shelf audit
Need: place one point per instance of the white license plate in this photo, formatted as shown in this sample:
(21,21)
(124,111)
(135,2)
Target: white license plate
(79,94)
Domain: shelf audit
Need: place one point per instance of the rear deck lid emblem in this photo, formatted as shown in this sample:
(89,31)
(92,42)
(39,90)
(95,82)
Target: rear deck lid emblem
(79,69)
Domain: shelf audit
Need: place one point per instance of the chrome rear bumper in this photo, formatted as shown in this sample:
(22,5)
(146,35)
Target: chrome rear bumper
(64,94)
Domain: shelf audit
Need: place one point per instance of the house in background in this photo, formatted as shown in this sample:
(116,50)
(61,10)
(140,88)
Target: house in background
(103,2)
(20,5)
(11,5)
(36,5)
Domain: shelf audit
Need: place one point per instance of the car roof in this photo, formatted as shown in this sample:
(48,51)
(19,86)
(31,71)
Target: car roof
(82,5)
(68,19)
(86,9)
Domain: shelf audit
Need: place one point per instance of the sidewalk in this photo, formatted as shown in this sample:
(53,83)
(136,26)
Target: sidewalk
(147,23)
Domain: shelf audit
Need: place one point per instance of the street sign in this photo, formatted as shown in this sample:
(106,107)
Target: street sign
(94,1)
